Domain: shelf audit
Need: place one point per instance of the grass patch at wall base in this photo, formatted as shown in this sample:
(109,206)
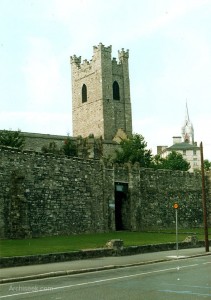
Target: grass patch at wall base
(55,244)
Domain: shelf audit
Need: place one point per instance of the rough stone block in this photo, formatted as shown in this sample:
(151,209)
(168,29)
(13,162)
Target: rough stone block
(191,239)
(116,244)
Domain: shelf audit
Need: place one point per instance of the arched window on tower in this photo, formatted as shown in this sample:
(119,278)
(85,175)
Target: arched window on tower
(116,91)
(84,93)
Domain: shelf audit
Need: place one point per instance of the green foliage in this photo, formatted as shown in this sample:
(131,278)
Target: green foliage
(69,147)
(157,162)
(207,165)
(174,161)
(12,138)
(134,150)
(52,148)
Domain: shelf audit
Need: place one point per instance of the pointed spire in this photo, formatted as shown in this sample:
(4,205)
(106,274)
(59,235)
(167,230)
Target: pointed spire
(187,128)
(187,114)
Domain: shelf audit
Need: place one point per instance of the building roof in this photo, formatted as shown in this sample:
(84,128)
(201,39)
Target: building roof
(183,146)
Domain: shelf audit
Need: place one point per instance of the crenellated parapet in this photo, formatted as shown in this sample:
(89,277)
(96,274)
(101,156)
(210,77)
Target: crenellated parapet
(98,51)
(102,48)
(75,60)
(123,55)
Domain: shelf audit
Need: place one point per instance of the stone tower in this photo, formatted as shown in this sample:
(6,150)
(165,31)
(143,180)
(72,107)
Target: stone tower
(101,94)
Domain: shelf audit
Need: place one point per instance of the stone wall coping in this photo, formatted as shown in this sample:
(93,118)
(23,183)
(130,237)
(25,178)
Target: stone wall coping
(42,154)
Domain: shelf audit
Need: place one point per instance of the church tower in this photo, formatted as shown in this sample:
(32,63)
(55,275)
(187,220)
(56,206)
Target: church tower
(184,145)
(101,94)
(187,129)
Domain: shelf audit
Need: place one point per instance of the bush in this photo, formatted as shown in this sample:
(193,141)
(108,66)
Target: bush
(69,147)
(52,148)
(12,138)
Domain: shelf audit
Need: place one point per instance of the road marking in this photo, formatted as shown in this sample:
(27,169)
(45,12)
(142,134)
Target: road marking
(190,286)
(175,256)
(95,281)
(184,292)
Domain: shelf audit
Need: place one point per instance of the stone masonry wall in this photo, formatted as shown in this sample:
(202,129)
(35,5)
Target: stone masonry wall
(159,191)
(152,194)
(46,195)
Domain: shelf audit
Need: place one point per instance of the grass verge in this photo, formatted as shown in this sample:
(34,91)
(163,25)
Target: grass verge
(55,244)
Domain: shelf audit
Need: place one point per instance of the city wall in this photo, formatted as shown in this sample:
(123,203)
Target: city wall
(42,195)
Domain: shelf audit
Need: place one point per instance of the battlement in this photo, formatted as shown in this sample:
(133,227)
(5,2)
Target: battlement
(123,54)
(101,47)
(75,60)
(96,49)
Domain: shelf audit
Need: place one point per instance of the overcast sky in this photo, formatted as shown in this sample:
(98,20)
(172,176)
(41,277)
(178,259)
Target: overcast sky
(169,44)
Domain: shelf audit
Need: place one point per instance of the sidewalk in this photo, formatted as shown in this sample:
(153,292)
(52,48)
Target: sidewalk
(22,273)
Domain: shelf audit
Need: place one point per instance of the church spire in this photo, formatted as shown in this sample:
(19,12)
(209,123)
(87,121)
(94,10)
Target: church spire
(187,114)
(187,129)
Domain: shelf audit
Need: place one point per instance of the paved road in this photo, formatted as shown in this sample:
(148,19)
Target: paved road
(23,273)
(174,279)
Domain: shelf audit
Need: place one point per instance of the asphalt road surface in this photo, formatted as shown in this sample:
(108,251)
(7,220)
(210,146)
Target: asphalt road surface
(178,279)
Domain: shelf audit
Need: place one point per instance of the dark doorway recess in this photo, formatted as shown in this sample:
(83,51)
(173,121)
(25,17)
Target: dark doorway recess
(121,206)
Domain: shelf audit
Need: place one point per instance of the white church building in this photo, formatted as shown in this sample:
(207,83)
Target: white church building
(185,145)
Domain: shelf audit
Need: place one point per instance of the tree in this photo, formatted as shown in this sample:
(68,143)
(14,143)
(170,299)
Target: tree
(174,161)
(69,147)
(207,165)
(134,150)
(12,138)
(157,162)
